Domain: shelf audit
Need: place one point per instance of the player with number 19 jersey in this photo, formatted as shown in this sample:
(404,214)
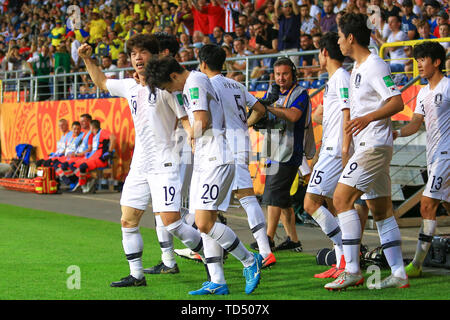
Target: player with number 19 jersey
(434,105)
(155,165)
(329,166)
(367,170)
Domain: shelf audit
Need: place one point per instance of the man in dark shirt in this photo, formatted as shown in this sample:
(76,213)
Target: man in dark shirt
(289,28)
(328,21)
(408,20)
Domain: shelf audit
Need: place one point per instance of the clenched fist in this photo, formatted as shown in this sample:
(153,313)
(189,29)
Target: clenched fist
(85,51)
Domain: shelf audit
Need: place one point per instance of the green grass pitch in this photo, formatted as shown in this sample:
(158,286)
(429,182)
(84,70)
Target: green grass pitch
(39,250)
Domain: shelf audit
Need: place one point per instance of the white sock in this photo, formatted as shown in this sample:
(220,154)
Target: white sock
(330,227)
(390,239)
(228,240)
(426,234)
(133,247)
(165,240)
(214,259)
(190,237)
(257,223)
(189,218)
(338,248)
(351,238)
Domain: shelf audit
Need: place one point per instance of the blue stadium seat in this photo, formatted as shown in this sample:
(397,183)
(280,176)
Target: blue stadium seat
(305,84)
(317,83)
(70,96)
(92,96)
(262,86)
(81,96)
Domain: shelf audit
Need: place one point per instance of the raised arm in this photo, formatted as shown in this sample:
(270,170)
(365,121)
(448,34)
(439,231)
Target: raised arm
(97,76)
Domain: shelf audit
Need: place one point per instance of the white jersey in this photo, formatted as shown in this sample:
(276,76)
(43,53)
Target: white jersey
(335,99)
(234,98)
(211,148)
(154,117)
(371,85)
(434,105)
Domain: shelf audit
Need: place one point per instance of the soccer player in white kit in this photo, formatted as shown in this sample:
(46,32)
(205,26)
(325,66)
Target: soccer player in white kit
(213,171)
(433,107)
(335,149)
(235,98)
(154,169)
(374,98)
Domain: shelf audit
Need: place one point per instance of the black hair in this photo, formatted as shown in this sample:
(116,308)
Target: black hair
(396,16)
(329,41)
(87,116)
(158,71)
(167,41)
(432,50)
(356,24)
(143,41)
(76,123)
(95,124)
(213,55)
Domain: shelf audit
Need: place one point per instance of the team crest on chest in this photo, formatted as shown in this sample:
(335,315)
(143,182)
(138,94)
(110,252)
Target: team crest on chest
(438,99)
(357,80)
(151,98)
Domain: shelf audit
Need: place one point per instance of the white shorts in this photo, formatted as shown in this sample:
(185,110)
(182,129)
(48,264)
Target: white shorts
(368,171)
(210,187)
(164,189)
(325,175)
(242,178)
(438,184)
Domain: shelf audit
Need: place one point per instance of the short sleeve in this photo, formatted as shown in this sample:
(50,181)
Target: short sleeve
(382,82)
(197,94)
(175,102)
(420,107)
(250,99)
(119,88)
(342,85)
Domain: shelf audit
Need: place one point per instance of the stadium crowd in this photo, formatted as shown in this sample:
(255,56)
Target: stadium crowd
(42,37)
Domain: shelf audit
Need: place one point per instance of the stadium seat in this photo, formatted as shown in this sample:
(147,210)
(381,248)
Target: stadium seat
(70,96)
(317,83)
(262,86)
(305,84)
(81,96)
(92,96)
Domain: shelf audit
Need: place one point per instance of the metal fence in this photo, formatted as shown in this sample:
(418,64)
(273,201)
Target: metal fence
(78,85)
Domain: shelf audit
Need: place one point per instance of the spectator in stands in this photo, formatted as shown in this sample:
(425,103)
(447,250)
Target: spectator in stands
(442,18)
(184,16)
(314,10)
(241,33)
(328,21)
(444,33)
(14,59)
(232,9)
(307,61)
(57,34)
(185,41)
(200,14)
(116,45)
(390,8)
(217,36)
(102,47)
(424,30)
(432,8)
(308,23)
(289,28)
(339,6)
(397,54)
(62,64)
(408,19)
(216,15)
(122,62)
(228,40)
(74,45)
(103,144)
(40,64)
(3,65)
(266,39)
(107,65)
(96,26)
(239,66)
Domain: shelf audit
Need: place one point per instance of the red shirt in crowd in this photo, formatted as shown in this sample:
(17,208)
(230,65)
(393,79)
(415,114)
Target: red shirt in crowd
(200,20)
(216,17)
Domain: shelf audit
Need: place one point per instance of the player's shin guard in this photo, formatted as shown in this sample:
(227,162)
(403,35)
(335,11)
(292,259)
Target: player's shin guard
(257,223)
(165,240)
(329,225)
(228,240)
(214,259)
(390,239)
(188,235)
(351,238)
(426,234)
(133,247)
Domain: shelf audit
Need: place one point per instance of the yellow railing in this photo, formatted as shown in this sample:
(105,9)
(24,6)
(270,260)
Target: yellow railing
(410,43)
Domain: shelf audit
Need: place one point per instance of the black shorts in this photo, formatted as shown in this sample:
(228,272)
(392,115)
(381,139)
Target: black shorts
(277,189)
